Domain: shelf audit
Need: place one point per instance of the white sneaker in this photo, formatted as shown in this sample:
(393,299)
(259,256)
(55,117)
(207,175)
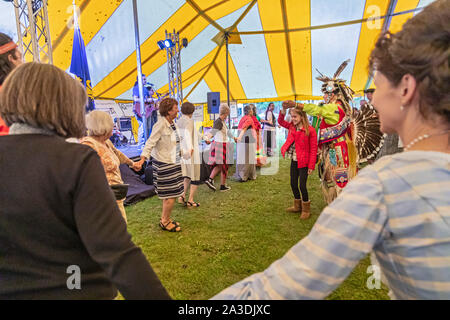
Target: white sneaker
(210,183)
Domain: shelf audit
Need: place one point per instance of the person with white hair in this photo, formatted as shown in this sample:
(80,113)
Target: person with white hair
(100,127)
(246,150)
(221,154)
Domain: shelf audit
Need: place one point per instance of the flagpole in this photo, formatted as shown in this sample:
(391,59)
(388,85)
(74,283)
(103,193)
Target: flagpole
(79,64)
(139,69)
(75,27)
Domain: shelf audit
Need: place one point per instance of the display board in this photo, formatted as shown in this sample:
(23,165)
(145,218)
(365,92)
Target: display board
(109,106)
(198,113)
(127,109)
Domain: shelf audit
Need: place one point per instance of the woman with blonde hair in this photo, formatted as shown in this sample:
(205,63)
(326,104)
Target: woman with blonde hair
(58,216)
(301,147)
(100,128)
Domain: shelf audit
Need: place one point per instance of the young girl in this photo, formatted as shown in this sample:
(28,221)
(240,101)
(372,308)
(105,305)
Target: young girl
(301,147)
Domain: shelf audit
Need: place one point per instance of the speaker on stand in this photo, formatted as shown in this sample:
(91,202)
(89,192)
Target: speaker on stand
(213,102)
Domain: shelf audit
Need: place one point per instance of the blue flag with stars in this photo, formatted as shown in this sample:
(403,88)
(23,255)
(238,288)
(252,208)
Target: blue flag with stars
(79,65)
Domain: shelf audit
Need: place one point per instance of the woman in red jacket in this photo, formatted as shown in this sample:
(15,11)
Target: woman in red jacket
(301,147)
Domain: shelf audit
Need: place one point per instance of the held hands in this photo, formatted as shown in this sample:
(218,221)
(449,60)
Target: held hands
(137,166)
(291,104)
(187,155)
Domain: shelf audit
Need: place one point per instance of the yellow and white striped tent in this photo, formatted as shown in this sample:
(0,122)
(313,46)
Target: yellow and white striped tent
(282,42)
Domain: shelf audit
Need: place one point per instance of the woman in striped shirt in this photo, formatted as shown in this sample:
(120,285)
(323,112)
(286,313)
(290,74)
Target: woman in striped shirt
(399,207)
(165,148)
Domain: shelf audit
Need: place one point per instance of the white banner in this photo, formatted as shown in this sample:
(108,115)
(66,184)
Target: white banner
(109,106)
(233,110)
(127,109)
(198,114)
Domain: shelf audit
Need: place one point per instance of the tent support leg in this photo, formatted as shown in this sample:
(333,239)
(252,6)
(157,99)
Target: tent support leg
(139,69)
(228,77)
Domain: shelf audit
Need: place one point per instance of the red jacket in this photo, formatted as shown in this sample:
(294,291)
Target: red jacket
(305,146)
(4,130)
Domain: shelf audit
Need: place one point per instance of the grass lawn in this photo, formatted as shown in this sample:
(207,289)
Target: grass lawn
(231,236)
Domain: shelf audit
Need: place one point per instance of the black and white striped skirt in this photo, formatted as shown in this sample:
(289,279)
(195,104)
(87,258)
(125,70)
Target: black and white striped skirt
(168,179)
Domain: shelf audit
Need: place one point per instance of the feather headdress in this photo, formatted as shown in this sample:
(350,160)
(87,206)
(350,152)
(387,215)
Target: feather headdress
(367,135)
(338,86)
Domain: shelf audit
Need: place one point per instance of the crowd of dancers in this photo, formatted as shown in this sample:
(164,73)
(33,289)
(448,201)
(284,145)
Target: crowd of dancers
(58,212)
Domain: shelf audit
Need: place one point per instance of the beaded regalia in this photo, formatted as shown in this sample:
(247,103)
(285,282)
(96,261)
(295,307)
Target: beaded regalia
(346,137)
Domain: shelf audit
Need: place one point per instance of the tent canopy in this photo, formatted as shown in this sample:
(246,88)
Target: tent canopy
(283,42)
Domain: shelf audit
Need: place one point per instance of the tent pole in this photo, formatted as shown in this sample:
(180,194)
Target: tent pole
(139,69)
(228,79)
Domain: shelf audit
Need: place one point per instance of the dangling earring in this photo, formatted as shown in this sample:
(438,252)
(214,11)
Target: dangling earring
(402,108)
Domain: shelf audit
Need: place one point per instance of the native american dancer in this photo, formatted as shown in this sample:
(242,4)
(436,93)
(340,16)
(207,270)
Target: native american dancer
(346,138)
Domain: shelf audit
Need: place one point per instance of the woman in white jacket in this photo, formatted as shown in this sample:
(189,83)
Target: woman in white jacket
(165,146)
(190,167)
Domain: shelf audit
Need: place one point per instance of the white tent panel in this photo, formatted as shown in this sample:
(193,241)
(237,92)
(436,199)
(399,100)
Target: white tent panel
(199,94)
(252,61)
(327,12)
(116,41)
(198,47)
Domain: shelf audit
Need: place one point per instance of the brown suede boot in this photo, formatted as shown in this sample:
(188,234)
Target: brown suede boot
(297,206)
(306,210)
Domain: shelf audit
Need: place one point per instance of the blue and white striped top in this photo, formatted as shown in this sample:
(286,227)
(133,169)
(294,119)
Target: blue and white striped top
(399,208)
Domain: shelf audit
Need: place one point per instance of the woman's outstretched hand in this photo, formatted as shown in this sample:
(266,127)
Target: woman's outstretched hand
(288,104)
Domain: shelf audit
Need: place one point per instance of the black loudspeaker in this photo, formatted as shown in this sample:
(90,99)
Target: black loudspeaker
(125,124)
(213,102)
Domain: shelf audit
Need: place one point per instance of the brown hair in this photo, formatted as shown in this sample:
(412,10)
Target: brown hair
(420,49)
(187,108)
(304,119)
(166,105)
(255,111)
(53,100)
(6,66)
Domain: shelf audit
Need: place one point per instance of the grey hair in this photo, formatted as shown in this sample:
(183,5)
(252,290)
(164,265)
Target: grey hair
(224,109)
(99,123)
(247,109)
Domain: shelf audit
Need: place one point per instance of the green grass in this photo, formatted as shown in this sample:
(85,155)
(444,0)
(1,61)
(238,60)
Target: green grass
(231,236)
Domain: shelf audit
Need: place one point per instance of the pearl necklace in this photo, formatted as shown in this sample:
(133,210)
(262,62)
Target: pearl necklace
(423,137)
